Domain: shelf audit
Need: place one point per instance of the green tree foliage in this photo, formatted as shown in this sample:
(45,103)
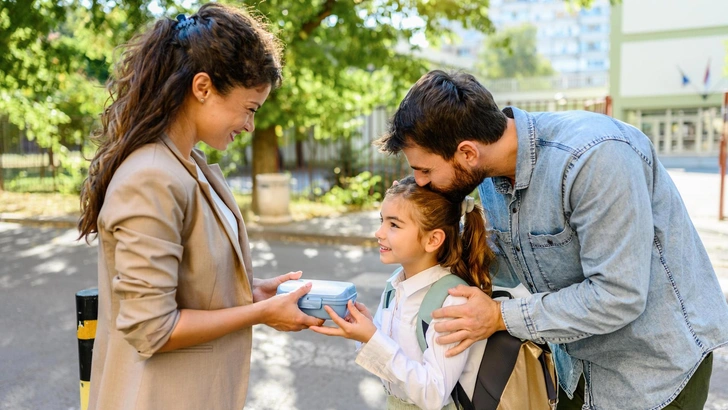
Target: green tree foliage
(340,61)
(512,53)
(56,57)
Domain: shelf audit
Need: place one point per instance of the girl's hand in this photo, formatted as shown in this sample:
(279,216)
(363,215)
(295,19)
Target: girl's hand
(266,288)
(359,325)
(282,312)
(361,308)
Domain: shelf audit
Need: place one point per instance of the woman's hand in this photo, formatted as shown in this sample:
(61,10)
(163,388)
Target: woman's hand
(282,312)
(266,288)
(357,326)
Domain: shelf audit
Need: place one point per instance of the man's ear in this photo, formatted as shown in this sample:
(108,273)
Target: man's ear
(435,239)
(201,86)
(468,152)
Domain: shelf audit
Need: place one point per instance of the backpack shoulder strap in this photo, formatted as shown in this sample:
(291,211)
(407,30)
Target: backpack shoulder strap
(434,298)
(389,289)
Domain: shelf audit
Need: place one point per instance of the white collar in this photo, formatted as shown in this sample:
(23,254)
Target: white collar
(419,281)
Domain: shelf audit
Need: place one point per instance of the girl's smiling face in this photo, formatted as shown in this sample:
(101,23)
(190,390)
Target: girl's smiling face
(399,237)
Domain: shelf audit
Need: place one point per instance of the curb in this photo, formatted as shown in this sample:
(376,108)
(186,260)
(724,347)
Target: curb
(49,222)
(319,239)
(274,233)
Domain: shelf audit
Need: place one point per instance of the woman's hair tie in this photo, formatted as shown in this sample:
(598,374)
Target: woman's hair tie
(184,22)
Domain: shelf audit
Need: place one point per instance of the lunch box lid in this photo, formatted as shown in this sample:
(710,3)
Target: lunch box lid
(325,291)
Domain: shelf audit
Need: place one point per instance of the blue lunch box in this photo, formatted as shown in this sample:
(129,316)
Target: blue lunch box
(323,292)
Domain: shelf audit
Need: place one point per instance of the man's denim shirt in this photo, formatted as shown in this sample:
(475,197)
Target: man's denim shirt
(621,284)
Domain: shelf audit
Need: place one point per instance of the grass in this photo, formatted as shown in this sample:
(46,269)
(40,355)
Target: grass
(39,204)
(300,208)
(66,205)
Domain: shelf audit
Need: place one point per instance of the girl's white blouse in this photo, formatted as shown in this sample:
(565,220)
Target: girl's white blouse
(427,378)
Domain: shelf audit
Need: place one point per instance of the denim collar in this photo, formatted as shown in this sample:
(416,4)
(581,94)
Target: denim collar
(526,156)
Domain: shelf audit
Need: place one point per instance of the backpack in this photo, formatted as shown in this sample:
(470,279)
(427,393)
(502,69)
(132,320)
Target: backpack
(514,374)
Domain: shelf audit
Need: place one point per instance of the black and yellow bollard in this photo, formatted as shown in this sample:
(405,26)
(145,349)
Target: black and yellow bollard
(87,304)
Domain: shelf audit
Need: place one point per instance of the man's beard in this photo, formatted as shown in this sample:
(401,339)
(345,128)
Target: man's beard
(463,183)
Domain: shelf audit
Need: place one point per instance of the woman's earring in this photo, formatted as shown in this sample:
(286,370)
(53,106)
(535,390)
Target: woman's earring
(202,100)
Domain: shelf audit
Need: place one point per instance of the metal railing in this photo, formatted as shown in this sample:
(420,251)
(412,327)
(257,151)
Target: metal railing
(552,83)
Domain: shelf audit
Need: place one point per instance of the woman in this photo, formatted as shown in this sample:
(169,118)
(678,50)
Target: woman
(177,300)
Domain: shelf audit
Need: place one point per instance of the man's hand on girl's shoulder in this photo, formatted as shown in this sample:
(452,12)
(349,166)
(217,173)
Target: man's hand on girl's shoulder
(475,320)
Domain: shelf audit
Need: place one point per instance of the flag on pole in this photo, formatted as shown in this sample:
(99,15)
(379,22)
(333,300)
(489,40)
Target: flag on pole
(685,79)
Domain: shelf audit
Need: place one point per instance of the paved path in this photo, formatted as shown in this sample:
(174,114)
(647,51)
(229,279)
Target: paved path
(42,268)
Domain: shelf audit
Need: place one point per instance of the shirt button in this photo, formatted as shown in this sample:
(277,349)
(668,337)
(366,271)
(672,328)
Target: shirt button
(515,210)
(518,248)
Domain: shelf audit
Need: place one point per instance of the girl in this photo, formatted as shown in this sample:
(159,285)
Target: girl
(420,231)
(177,300)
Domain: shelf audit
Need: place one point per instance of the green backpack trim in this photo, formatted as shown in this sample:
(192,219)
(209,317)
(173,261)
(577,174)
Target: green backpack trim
(434,298)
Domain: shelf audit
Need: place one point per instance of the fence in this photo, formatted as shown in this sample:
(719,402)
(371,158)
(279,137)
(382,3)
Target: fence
(599,105)
(550,83)
(26,167)
(315,165)
(694,131)
(318,165)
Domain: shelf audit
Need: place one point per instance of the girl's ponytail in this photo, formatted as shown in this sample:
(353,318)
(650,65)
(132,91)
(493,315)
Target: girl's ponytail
(476,256)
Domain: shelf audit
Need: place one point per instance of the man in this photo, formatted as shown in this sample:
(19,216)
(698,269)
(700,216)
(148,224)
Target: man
(588,220)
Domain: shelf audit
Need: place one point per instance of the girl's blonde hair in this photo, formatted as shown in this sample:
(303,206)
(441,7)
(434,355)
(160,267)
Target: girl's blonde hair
(467,254)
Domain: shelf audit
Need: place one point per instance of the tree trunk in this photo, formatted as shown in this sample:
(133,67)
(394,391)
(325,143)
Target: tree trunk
(52,165)
(313,148)
(265,157)
(2,151)
(2,170)
(300,162)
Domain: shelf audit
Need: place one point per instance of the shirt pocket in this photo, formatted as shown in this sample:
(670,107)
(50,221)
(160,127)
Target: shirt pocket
(386,315)
(556,257)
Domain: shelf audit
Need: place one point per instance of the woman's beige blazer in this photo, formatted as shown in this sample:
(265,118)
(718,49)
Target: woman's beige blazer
(164,246)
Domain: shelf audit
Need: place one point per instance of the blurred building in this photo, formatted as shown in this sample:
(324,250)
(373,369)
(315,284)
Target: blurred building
(668,72)
(459,53)
(573,40)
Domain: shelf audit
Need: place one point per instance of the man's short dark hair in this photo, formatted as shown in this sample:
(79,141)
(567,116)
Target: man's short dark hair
(440,111)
